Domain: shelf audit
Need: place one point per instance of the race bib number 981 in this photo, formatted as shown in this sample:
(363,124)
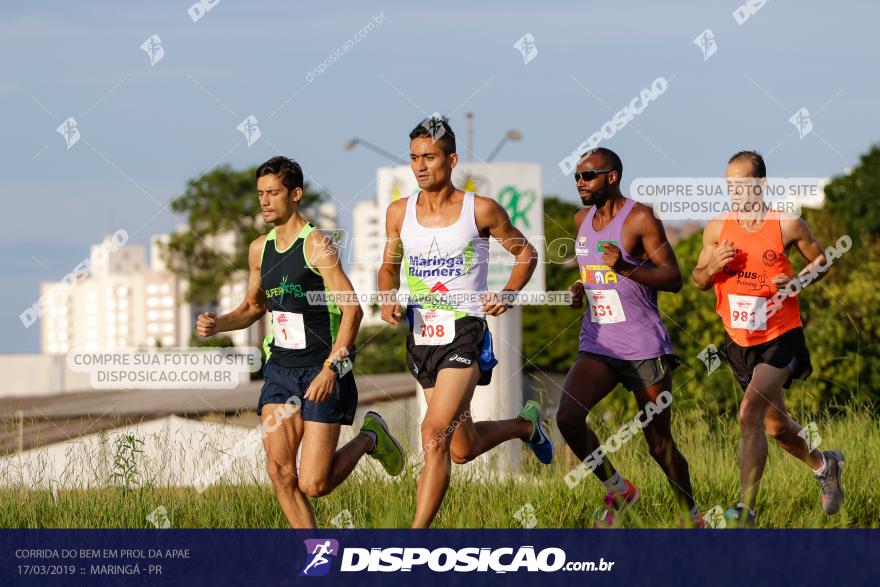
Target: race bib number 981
(748,312)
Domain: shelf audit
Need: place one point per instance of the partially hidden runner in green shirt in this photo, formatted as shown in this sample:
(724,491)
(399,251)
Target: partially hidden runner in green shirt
(308,390)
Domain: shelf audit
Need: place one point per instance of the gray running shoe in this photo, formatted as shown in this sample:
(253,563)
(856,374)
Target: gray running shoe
(832,490)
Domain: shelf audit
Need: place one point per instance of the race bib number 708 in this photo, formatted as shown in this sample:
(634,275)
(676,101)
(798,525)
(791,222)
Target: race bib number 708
(433,327)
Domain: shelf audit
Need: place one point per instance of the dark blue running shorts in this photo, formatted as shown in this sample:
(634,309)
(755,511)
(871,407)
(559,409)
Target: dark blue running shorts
(280,384)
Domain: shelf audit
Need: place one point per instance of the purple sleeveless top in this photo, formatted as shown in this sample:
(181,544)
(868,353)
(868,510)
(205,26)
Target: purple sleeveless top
(622,319)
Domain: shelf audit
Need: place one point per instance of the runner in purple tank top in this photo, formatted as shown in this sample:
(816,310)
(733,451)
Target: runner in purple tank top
(624,258)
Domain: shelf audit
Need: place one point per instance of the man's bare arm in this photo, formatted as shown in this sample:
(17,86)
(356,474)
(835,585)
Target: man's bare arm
(389,271)
(798,234)
(576,289)
(323,257)
(713,256)
(665,275)
(491,215)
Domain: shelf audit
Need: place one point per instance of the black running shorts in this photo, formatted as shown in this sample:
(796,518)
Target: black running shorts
(636,375)
(787,350)
(425,361)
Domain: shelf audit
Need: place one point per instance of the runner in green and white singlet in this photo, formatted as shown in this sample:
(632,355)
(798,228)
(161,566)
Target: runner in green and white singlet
(308,389)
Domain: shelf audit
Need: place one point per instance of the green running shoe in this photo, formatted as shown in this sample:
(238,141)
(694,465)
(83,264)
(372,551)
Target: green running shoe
(539,441)
(387,450)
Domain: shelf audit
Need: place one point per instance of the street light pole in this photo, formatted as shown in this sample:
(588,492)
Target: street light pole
(351,144)
(470,135)
(511,135)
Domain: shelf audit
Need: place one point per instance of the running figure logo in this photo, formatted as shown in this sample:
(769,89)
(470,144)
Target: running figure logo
(68,129)
(706,42)
(318,561)
(527,47)
(434,125)
(810,433)
(802,122)
(250,129)
(710,357)
(715,519)
(153,48)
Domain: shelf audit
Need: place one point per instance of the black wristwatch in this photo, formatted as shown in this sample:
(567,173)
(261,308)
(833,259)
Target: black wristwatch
(340,367)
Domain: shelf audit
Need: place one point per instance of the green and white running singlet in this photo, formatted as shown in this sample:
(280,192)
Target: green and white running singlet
(303,330)
(446,271)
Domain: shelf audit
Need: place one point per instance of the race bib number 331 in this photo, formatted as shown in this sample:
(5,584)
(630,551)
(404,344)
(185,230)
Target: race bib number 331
(605,306)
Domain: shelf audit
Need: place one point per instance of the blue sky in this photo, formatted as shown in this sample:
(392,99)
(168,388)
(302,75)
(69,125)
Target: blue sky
(147,130)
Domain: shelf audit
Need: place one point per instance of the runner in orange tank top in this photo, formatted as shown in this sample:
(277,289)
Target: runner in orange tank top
(745,258)
(744,286)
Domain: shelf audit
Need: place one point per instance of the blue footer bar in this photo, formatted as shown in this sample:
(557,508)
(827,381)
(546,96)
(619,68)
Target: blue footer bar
(440,557)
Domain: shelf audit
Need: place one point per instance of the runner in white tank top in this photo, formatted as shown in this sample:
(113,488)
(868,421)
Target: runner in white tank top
(441,238)
(446,267)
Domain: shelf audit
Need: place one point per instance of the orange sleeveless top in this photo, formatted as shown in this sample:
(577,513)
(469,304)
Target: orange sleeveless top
(743,288)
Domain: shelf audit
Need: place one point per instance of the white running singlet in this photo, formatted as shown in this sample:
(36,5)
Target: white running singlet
(446,268)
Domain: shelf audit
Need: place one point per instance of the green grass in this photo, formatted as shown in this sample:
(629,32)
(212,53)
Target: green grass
(789,496)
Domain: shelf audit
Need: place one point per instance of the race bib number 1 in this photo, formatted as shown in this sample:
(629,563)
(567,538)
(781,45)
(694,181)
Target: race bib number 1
(433,327)
(605,306)
(288,330)
(748,312)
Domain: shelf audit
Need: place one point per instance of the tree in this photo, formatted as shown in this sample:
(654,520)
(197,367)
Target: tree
(381,349)
(853,197)
(559,242)
(551,333)
(693,325)
(223,215)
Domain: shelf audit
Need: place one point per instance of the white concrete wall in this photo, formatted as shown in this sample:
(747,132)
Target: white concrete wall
(38,374)
(502,399)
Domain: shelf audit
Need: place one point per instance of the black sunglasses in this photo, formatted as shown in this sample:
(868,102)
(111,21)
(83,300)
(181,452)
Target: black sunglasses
(591,174)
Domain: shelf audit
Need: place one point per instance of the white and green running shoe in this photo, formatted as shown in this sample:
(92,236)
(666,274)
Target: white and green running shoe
(539,441)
